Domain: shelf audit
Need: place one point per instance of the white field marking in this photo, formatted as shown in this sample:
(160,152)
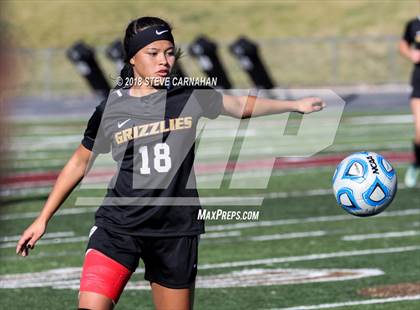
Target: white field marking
(212,153)
(272,195)
(67,140)
(286,236)
(56,240)
(38,163)
(215,235)
(7,245)
(43,255)
(25,191)
(220,128)
(397,145)
(225,200)
(58,142)
(246,174)
(201,178)
(354,303)
(39,130)
(392,234)
(58,234)
(233,233)
(257,152)
(267,277)
(69,143)
(315,219)
(27,215)
(223,133)
(213,201)
(247,263)
(68,278)
(381,119)
(245,225)
(221,124)
(310,257)
(293,235)
(100,184)
(48,119)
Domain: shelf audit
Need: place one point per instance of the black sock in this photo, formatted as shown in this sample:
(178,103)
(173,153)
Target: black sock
(417,154)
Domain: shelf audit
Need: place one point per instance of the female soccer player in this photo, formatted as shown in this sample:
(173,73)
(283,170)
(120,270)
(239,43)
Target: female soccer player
(410,48)
(152,133)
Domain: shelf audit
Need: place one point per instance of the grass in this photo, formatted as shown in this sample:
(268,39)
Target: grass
(397,267)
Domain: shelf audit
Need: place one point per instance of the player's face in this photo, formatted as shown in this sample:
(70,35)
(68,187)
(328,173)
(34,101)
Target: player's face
(154,60)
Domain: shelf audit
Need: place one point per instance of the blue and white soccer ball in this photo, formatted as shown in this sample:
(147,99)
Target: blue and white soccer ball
(364,183)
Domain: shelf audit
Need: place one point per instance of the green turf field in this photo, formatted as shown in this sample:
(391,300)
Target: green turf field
(300,228)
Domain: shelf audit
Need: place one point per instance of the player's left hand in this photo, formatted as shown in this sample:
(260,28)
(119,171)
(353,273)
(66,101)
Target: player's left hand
(310,104)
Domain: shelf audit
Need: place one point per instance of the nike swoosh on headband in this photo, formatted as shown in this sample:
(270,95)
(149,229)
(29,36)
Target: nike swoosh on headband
(160,32)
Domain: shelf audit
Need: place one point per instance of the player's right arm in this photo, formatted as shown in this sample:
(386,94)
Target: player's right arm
(405,45)
(411,54)
(72,173)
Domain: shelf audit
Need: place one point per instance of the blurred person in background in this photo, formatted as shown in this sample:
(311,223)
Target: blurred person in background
(8,72)
(410,48)
(165,237)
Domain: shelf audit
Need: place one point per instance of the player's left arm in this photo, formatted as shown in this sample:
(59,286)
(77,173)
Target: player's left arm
(252,106)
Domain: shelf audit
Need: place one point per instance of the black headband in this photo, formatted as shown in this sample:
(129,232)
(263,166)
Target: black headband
(146,37)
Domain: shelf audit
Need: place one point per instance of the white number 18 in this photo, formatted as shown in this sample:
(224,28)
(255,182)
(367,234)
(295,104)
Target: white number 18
(162,160)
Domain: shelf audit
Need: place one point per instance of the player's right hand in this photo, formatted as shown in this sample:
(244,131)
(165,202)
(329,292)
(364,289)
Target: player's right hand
(30,236)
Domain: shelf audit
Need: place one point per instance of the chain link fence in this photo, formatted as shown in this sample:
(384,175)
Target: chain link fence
(292,62)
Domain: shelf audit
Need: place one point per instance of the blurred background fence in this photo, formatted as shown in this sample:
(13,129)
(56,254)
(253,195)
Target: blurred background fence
(292,62)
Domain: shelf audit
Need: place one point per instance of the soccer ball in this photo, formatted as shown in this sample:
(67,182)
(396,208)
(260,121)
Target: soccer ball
(364,183)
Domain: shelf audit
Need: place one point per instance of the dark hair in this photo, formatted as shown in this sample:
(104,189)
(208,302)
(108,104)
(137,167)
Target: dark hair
(132,29)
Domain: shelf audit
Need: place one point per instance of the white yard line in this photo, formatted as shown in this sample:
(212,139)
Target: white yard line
(247,263)
(63,237)
(68,278)
(44,255)
(393,234)
(310,257)
(293,235)
(28,215)
(380,119)
(59,234)
(215,235)
(354,303)
(273,195)
(315,219)
(212,201)
(7,245)
(55,238)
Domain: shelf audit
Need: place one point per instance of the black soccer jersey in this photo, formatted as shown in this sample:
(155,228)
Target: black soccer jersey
(412,32)
(152,140)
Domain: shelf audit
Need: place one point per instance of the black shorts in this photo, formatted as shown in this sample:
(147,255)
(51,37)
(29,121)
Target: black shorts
(170,262)
(415,83)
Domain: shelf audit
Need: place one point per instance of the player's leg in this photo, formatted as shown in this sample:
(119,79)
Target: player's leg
(93,301)
(171,269)
(109,263)
(415,107)
(102,282)
(166,298)
(413,171)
